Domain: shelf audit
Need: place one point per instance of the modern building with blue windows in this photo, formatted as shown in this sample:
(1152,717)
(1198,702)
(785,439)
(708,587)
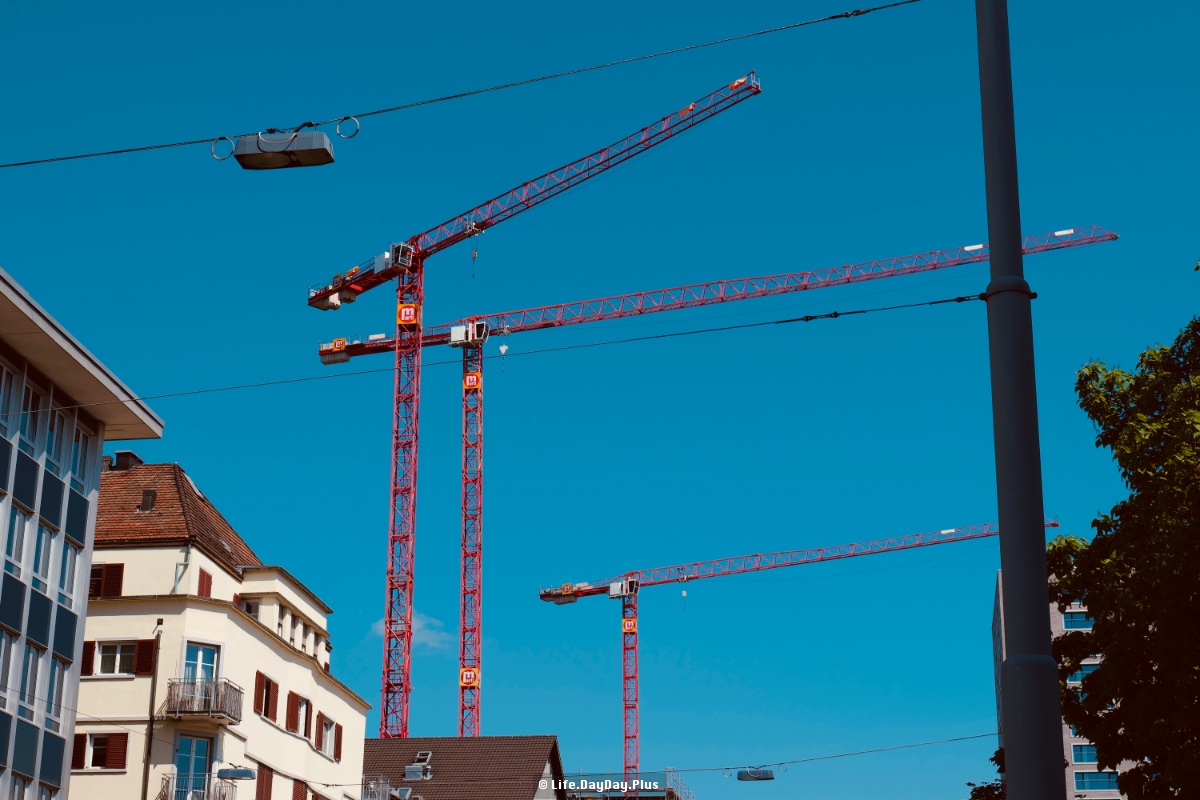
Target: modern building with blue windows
(58,405)
(1084,779)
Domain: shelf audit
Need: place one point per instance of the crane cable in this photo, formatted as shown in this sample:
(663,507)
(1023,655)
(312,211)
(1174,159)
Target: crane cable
(356,117)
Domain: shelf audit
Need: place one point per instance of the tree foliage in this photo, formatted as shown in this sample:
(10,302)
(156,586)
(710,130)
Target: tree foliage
(1139,577)
(992,790)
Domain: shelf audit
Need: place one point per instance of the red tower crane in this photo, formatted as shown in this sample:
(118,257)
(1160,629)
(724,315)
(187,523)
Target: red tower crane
(405,261)
(470,334)
(626,587)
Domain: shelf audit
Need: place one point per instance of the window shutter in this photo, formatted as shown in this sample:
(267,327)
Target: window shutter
(118,743)
(273,702)
(260,681)
(293,712)
(87,666)
(79,752)
(308,721)
(320,731)
(205,584)
(262,786)
(337,742)
(299,790)
(143,657)
(237,600)
(111,583)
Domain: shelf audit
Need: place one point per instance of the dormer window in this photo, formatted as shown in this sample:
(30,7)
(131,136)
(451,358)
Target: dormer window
(149,499)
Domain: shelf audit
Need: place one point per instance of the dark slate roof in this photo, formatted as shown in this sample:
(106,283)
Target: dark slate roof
(181,515)
(468,768)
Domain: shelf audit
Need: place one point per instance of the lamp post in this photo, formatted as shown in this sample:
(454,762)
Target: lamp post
(1029,675)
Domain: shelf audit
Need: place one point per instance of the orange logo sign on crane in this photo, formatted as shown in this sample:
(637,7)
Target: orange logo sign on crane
(629,625)
(408,314)
(472,380)
(469,677)
(339,345)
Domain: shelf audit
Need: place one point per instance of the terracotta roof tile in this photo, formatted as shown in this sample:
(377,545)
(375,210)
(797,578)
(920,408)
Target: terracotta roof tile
(181,515)
(483,767)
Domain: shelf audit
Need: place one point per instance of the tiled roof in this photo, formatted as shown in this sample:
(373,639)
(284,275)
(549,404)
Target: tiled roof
(468,768)
(181,515)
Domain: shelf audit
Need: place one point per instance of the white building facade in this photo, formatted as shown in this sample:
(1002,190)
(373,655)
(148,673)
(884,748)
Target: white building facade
(198,658)
(58,404)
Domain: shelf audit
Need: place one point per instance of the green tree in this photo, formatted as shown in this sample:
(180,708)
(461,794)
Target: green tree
(1139,577)
(993,790)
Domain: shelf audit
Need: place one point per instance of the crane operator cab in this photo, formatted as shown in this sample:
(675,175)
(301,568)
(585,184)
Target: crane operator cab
(473,334)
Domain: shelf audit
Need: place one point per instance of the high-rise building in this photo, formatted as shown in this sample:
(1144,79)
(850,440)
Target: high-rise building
(1083,778)
(58,404)
(206,673)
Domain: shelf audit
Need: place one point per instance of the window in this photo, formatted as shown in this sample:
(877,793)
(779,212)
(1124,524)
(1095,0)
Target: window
(6,645)
(54,694)
(31,410)
(295,625)
(19,789)
(282,613)
(106,580)
(29,676)
(1077,621)
(116,658)
(81,451)
(7,381)
(56,439)
(304,717)
(46,793)
(66,574)
(1084,671)
(41,558)
(108,750)
(266,697)
(200,665)
(14,552)
(1083,753)
(327,735)
(1095,780)
(191,766)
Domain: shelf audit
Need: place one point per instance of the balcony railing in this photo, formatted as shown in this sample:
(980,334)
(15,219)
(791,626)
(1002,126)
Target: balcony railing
(218,699)
(196,787)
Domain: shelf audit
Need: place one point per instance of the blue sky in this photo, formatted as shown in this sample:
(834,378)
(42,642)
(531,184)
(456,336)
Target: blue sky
(184,273)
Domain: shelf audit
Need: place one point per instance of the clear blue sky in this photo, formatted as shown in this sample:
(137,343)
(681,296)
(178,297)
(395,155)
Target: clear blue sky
(183,273)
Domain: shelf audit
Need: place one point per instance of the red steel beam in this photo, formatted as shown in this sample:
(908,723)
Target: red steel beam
(378,270)
(714,292)
(470,650)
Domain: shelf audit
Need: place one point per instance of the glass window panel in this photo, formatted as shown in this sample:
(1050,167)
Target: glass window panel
(66,573)
(1095,780)
(1077,621)
(1083,753)
(15,548)
(31,410)
(6,397)
(43,544)
(99,751)
(80,454)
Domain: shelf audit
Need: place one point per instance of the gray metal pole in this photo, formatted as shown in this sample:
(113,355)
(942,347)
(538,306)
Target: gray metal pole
(1033,749)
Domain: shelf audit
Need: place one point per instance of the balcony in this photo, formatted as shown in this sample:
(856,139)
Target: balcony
(196,787)
(220,700)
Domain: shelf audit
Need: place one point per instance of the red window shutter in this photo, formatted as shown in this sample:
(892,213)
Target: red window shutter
(337,742)
(237,600)
(293,712)
(273,702)
(320,731)
(79,752)
(262,786)
(143,657)
(111,583)
(87,666)
(308,721)
(205,584)
(118,744)
(299,790)
(260,681)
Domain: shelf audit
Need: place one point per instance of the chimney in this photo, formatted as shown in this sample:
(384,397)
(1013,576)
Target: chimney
(126,459)
(105,463)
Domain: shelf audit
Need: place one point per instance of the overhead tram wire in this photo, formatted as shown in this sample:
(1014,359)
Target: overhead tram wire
(651,337)
(460,95)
